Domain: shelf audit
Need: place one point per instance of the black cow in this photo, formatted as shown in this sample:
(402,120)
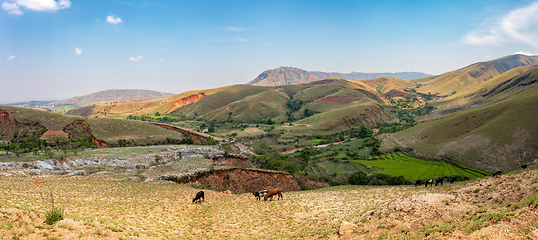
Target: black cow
(418,182)
(439,181)
(199,197)
(259,194)
(453,179)
(498,173)
(428,182)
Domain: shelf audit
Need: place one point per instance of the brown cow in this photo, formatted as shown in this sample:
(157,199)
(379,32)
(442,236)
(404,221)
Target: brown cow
(273,192)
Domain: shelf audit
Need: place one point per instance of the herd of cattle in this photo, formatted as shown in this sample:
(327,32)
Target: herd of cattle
(437,181)
(269,194)
(199,198)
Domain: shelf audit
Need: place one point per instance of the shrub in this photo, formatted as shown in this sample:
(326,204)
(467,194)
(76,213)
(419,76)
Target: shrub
(54,216)
(358,178)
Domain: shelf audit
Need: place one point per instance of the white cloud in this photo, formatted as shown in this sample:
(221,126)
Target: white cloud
(525,53)
(113,20)
(36,5)
(520,25)
(162,59)
(10,57)
(136,59)
(11,8)
(235,29)
(241,40)
(78,51)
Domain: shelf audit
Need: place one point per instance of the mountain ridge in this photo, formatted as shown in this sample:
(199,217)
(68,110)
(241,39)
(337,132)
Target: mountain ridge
(292,75)
(115,95)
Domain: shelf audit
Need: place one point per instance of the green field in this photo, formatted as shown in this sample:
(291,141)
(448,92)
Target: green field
(328,168)
(401,164)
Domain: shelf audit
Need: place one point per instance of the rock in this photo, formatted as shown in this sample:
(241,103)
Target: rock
(346,228)
(227,192)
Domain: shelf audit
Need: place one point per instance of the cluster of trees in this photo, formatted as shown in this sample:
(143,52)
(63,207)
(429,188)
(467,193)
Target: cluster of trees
(361,178)
(157,117)
(294,106)
(32,144)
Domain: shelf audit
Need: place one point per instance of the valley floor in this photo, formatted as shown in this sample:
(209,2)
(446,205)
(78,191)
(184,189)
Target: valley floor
(108,205)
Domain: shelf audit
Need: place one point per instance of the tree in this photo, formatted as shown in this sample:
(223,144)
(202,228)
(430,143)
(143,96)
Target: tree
(358,178)
(307,113)
(365,132)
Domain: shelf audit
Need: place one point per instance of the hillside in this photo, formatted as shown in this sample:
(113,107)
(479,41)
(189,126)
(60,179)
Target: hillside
(146,107)
(22,123)
(113,203)
(323,99)
(460,80)
(115,95)
(247,103)
(497,132)
(292,76)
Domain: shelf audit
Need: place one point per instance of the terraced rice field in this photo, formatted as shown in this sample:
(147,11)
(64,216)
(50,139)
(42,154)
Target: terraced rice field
(401,164)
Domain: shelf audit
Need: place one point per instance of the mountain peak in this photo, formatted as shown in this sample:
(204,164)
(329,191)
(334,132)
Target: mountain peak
(291,75)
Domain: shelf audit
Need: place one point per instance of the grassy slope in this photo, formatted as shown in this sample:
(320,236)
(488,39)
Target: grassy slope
(117,206)
(385,84)
(497,136)
(107,129)
(111,130)
(472,75)
(267,104)
(247,103)
(367,112)
(218,99)
(140,108)
(474,93)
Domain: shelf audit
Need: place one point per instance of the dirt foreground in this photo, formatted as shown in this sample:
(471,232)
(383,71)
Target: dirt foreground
(115,205)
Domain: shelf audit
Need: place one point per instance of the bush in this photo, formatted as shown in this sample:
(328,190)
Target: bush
(53,216)
(358,178)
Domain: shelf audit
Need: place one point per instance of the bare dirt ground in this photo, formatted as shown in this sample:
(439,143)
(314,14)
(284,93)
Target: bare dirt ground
(115,205)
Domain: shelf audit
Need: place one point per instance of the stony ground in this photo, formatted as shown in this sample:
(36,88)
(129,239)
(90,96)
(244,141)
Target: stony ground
(114,204)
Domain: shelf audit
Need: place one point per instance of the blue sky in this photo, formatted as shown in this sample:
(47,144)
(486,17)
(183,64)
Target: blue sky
(65,48)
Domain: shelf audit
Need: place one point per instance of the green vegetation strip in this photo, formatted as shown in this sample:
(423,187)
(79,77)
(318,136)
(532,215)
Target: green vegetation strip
(399,164)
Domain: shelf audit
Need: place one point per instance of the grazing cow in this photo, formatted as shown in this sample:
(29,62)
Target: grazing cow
(273,192)
(439,181)
(498,173)
(453,179)
(418,182)
(428,182)
(260,194)
(199,197)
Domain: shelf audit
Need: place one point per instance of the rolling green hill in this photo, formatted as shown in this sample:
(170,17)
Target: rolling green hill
(472,75)
(22,122)
(328,104)
(481,115)
(499,132)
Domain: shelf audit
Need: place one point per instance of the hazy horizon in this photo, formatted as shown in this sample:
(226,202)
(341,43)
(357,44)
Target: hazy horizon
(62,49)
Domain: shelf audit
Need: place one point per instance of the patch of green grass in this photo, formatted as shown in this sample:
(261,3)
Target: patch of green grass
(400,164)
(6,225)
(54,216)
